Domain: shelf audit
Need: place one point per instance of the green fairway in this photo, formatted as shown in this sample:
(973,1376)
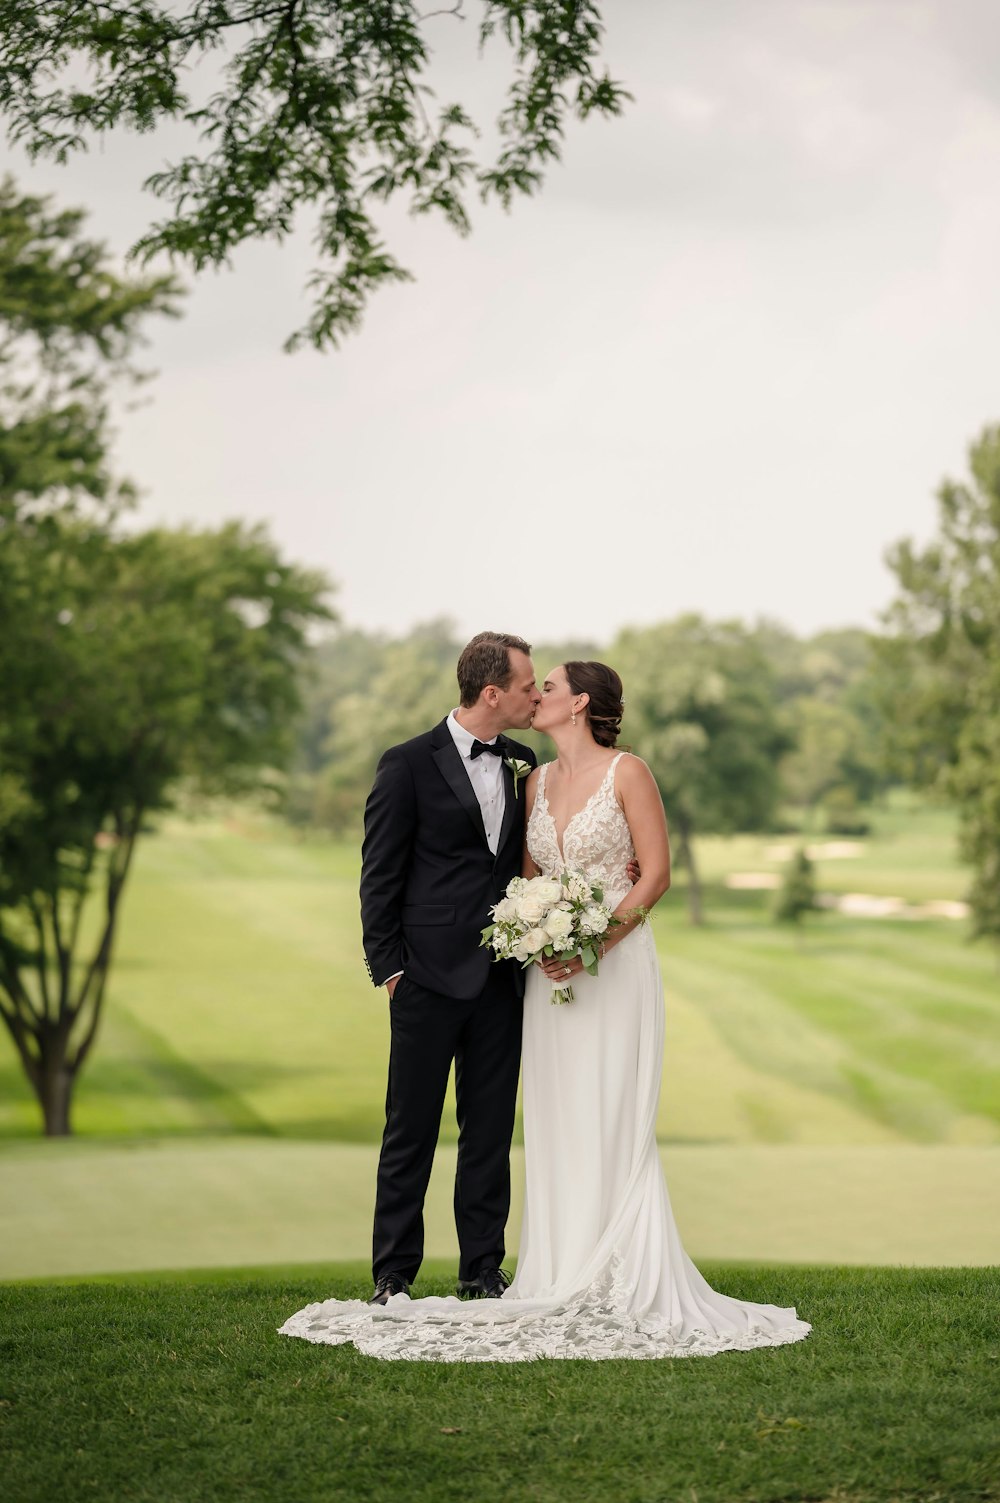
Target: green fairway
(239,1002)
(232,1109)
(91,1207)
(182,1392)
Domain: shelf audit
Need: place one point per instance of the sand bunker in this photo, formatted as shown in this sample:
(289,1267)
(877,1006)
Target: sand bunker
(856,904)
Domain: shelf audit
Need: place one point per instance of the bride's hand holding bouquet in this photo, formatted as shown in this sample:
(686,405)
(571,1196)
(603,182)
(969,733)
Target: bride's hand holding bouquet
(554,922)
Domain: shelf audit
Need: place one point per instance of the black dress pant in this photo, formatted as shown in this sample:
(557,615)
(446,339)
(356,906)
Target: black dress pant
(483,1037)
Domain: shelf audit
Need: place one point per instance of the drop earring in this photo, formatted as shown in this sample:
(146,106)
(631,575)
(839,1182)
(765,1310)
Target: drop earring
(572,716)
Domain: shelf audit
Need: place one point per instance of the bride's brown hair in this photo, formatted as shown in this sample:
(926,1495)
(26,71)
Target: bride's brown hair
(606,704)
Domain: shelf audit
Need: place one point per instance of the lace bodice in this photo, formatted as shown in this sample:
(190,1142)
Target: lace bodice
(597,840)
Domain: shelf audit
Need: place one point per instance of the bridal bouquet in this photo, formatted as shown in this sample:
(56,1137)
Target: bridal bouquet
(545,916)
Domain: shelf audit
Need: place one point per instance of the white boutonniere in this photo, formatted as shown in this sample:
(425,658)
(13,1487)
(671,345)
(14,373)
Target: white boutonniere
(518,768)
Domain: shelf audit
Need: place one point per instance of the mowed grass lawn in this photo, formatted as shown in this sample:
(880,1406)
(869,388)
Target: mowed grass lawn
(239,1002)
(182,1392)
(811,1087)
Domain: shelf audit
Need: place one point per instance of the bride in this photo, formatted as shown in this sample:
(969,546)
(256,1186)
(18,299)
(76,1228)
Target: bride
(601,1271)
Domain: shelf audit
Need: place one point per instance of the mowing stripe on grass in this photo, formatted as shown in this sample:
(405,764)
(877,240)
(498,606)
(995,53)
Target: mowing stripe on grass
(98,1208)
(239,1002)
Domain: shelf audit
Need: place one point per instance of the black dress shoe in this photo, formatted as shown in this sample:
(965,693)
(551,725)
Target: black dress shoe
(490,1284)
(388,1285)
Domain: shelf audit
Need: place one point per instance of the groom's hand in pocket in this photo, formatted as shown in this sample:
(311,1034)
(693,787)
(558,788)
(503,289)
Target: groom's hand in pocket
(392,984)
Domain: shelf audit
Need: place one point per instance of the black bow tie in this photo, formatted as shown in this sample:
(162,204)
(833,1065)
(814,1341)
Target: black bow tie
(497,747)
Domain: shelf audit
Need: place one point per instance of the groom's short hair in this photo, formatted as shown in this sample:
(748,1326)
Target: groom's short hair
(486,660)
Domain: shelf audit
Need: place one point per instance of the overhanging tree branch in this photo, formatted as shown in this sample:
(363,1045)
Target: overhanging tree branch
(320,112)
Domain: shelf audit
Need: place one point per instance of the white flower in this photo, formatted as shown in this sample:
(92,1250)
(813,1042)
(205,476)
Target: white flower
(594,920)
(539,895)
(531,908)
(505,911)
(577,889)
(530,944)
(547,888)
(518,768)
(534,941)
(562,945)
(559,924)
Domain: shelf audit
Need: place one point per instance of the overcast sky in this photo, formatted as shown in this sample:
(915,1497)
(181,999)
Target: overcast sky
(719,364)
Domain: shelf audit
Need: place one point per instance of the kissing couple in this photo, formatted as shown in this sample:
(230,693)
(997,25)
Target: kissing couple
(453,816)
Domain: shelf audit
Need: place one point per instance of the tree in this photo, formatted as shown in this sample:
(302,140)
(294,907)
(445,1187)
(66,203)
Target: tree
(699,705)
(320,106)
(823,685)
(156,658)
(69,325)
(830,751)
(413,687)
(940,668)
(127,663)
(797,895)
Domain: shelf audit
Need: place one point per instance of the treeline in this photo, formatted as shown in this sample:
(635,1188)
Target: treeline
(740,724)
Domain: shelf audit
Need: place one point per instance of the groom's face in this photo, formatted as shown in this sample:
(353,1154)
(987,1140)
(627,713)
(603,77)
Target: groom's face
(518,702)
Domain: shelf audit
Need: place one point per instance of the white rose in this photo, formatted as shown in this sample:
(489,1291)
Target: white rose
(559,923)
(577,889)
(593,920)
(548,890)
(505,911)
(533,942)
(531,908)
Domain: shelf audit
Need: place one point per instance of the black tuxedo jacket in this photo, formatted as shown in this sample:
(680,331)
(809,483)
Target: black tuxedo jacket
(428,876)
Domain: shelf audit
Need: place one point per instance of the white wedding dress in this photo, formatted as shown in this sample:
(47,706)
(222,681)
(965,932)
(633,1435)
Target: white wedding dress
(601,1272)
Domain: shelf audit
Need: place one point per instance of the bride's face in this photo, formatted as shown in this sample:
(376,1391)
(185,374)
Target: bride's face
(558,702)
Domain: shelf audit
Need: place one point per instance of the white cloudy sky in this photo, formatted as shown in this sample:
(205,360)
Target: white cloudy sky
(719,364)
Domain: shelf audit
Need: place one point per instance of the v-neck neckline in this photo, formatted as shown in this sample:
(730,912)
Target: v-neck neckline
(561,839)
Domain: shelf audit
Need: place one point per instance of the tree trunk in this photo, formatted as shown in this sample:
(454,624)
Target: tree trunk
(54,1087)
(686,854)
(41,1027)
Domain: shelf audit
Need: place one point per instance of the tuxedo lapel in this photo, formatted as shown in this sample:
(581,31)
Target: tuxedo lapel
(449,762)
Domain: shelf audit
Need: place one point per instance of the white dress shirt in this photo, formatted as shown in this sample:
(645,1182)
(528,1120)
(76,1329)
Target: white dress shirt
(486,776)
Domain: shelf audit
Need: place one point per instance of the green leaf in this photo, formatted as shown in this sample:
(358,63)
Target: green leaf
(318,111)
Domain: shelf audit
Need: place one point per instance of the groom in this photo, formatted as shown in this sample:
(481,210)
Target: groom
(444,826)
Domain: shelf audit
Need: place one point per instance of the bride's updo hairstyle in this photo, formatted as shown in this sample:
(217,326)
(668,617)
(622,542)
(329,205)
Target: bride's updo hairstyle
(606,706)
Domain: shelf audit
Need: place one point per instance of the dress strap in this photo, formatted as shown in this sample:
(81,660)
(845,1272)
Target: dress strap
(609,777)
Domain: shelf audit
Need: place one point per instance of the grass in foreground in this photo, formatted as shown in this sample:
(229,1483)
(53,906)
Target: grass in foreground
(179,1391)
